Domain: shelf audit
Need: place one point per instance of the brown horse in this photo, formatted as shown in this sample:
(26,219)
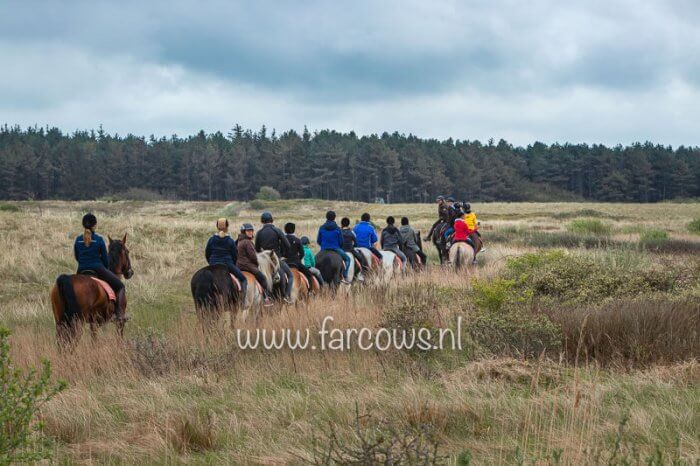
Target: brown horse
(78,299)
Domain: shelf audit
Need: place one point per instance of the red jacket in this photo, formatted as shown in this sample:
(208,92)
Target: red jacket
(462,232)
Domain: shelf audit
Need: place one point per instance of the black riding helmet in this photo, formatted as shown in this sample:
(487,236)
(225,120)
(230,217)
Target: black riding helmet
(266,217)
(89,221)
(289,228)
(467,207)
(304,240)
(247,227)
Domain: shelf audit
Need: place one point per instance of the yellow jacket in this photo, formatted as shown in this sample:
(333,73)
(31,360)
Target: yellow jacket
(470,220)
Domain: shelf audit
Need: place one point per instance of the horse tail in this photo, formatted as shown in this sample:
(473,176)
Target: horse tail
(458,259)
(71,308)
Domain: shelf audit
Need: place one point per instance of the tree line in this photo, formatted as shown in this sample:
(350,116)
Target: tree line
(46,163)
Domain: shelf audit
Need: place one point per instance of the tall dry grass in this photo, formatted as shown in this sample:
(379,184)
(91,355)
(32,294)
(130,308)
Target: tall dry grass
(171,392)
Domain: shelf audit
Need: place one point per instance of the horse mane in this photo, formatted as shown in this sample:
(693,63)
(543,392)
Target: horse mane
(114,253)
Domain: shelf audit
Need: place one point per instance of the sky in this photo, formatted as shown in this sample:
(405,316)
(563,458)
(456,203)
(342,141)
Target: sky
(608,71)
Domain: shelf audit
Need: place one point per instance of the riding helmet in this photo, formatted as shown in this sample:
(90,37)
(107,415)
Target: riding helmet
(467,207)
(89,221)
(450,199)
(304,240)
(440,198)
(266,217)
(247,226)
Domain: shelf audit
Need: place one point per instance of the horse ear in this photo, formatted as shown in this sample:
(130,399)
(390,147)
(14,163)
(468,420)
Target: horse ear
(124,239)
(109,238)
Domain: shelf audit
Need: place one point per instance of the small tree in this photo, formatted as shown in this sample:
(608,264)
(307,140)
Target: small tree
(21,396)
(268,193)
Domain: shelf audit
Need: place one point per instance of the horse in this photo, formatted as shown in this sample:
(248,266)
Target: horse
(331,266)
(440,242)
(390,266)
(78,299)
(301,287)
(461,255)
(214,290)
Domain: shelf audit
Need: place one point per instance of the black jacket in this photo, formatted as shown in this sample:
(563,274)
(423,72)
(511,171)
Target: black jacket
(349,240)
(271,238)
(295,256)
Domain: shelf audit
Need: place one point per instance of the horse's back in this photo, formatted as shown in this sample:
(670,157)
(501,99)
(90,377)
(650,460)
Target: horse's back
(461,255)
(331,265)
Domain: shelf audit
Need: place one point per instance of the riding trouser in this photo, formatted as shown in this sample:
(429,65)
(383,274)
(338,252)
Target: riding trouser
(361,259)
(103,273)
(303,269)
(262,279)
(290,278)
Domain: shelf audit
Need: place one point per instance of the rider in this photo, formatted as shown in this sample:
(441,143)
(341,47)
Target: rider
(295,256)
(464,230)
(443,211)
(271,238)
(365,236)
(221,250)
(331,238)
(473,224)
(392,241)
(248,259)
(349,245)
(409,238)
(310,260)
(91,253)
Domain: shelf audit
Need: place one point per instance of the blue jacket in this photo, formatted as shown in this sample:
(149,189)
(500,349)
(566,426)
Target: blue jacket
(366,236)
(221,250)
(330,236)
(91,257)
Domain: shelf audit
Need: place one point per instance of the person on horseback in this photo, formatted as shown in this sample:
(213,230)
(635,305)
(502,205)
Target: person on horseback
(365,236)
(473,224)
(310,260)
(221,250)
(349,245)
(465,230)
(271,238)
(295,256)
(443,214)
(248,259)
(91,254)
(331,238)
(409,239)
(391,240)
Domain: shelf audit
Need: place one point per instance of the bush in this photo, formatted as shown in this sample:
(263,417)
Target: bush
(589,226)
(694,226)
(4,207)
(497,295)
(268,193)
(578,278)
(516,333)
(22,395)
(653,239)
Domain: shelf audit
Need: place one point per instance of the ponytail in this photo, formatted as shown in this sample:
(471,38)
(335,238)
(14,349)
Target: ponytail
(87,237)
(222,226)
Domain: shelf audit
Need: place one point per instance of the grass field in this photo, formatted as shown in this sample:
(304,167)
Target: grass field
(581,343)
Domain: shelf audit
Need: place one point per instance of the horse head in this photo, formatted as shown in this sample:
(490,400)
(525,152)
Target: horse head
(119,261)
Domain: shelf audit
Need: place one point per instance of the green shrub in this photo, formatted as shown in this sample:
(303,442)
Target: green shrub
(258,204)
(589,226)
(515,333)
(498,294)
(22,395)
(268,193)
(653,239)
(4,207)
(694,226)
(577,278)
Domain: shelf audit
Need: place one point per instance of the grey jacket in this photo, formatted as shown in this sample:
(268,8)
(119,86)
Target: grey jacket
(391,238)
(409,237)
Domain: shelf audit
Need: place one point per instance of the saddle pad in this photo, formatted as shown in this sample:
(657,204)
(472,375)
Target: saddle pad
(316,284)
(236,282)
(376,261)
(398,259)
(258,286)
(304,280)
(358,266)
(105,286)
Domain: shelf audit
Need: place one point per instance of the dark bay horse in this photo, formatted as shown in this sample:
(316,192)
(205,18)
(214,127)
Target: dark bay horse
(78,299)
(331,266)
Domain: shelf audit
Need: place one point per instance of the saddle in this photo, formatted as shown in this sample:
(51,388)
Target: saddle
(105,286)
(304,280)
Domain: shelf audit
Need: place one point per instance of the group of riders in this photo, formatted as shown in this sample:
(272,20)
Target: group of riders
(456,223)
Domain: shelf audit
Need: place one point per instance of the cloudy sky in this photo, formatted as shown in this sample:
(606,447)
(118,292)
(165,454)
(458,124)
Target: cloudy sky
(610,71)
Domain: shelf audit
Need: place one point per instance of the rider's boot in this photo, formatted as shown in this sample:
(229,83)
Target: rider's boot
(244,288)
